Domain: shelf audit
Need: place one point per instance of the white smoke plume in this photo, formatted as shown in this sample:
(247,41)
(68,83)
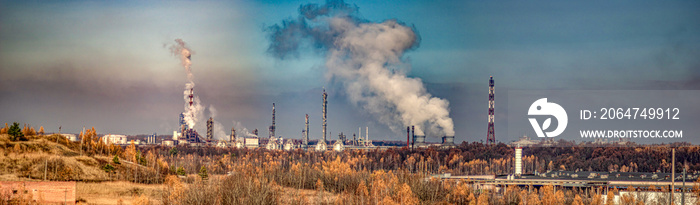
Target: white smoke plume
(192,112)
(242,131)
(363,56)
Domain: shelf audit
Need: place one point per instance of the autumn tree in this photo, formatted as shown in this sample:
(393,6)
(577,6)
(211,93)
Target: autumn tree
(130,152)
(28,130)
(611,197)
(577,200)
(549,196)
(405,195)
(628,198)
(319,188)
(596,199)
(511,195)
(483,198)
(41,130)
(4,129)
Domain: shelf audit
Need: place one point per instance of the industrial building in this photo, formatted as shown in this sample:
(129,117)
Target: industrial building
(70,137)
(114,139)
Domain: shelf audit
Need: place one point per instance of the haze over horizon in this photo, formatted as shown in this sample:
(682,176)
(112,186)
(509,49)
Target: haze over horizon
(107,64)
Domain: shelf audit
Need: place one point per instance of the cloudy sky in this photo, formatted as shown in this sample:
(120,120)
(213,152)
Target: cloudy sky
(107,64)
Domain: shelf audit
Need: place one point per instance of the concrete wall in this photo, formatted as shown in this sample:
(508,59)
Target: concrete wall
(42,192)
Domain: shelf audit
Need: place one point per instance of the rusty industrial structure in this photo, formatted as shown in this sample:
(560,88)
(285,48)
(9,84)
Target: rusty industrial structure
(210,129)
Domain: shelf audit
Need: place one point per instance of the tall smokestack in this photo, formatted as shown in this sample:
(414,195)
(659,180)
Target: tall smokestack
(193,107)
(191,96)
(413,134)
(272,127)
(306,131)
(408,137)
(359,133)
(325,104)
(367,134)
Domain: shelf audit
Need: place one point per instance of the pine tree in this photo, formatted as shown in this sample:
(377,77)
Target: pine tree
(180,171)
(41,130)
(115,160)
(15,132)
(203,173)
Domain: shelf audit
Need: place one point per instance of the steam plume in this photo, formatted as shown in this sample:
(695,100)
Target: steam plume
(362,56)
(192,111)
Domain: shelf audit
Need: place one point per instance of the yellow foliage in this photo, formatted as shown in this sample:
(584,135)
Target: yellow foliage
(610,197)
(142,200)
(577,200)
(483,199)
(405,196)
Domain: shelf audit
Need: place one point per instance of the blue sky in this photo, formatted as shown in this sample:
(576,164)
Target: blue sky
(104,64)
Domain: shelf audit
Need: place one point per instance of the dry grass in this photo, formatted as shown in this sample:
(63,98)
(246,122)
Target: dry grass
(112,192)
(32,158)
(306,196)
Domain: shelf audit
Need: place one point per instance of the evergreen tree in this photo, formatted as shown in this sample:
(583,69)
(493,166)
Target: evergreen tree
(15,132)
(203,173)
(116,160)
(180,171)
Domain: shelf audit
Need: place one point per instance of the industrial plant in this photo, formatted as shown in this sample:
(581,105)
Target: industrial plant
(188,135)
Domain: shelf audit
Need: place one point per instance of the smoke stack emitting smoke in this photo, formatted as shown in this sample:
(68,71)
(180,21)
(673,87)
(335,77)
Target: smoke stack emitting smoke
(362,54)
(193,108)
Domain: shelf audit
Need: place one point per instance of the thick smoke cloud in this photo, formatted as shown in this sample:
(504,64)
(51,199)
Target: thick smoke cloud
(365,56)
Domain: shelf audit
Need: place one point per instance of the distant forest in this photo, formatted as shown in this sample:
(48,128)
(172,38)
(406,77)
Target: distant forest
(466,158)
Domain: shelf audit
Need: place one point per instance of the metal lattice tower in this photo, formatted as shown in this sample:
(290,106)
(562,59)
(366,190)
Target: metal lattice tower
(306,132)
(491,136)
(272,127)
(325,105)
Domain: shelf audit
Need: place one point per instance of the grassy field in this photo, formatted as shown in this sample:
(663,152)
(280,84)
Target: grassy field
(107,193)
(118,192)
